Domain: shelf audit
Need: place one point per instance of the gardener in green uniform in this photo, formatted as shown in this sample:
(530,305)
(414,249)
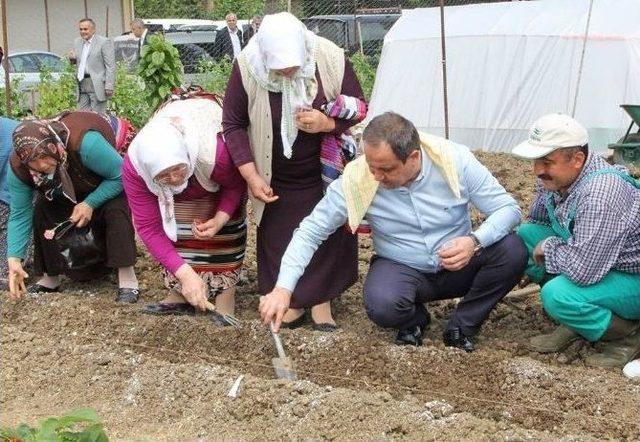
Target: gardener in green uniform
(73,165)
(583,238)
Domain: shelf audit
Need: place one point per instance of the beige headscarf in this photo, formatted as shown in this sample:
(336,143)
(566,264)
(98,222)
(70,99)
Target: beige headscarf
(359,185)
(182,132)
(284,42)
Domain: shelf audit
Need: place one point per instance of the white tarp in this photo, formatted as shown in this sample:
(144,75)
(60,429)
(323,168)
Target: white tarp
(510,63)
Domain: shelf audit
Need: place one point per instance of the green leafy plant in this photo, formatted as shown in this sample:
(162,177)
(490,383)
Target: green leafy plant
(365,71)
(56,95)
(18,99)
(129,97)
(213,76)
(160,68)
(81,425)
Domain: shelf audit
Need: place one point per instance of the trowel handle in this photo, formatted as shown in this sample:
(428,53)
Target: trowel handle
(277,342)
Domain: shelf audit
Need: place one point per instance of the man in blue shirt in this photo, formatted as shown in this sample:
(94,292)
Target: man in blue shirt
(418,211)
(6,130)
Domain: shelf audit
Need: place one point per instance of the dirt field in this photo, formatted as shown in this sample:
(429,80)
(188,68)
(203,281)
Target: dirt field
(155,378)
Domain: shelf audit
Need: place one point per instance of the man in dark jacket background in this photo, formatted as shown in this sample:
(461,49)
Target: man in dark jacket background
(229,40)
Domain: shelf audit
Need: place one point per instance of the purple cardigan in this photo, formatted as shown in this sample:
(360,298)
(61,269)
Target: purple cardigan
(146,212)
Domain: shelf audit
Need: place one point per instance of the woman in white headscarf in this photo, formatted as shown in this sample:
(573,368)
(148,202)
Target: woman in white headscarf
(274,128)
(187,200)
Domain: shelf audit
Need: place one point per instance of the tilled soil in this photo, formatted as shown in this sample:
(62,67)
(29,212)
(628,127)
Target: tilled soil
(159,378)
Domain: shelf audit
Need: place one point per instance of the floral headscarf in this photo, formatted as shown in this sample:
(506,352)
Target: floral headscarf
(36,138)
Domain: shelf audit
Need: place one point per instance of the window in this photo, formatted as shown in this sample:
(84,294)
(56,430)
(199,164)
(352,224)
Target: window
(22,64)
(49,61)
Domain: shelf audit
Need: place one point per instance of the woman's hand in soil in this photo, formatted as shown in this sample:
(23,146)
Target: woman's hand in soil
(17,275)
(210,228)
(194,289)
(261,190)
(458,254)
(274,305)
(81,214)
(313,121)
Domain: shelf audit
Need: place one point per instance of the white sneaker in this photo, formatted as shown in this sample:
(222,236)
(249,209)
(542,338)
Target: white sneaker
(632,369)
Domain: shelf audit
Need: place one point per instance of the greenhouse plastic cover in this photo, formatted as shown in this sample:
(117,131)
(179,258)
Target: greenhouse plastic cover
(510,63)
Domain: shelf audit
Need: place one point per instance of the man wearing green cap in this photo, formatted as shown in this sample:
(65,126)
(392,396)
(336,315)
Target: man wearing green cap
(583,238)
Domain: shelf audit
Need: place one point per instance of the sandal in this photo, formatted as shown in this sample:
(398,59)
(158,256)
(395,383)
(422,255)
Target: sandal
(169,308)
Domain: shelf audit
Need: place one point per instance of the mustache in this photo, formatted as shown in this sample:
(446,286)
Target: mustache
(544,177)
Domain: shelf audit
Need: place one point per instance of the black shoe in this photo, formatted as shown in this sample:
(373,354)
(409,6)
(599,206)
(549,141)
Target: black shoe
(325,327)
(128,295)
(169,308)
(455,338)
(37,288)
(410,336)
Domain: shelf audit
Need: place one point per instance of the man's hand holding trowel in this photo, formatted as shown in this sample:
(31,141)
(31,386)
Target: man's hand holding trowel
(274,305)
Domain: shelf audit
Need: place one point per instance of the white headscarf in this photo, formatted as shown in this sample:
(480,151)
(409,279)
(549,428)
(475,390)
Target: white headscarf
(182,132)
(283,42)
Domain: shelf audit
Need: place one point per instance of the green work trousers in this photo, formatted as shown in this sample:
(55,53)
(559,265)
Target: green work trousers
(585,309)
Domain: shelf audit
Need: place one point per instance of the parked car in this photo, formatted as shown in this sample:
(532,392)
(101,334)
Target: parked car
(192,46)
(353,31)
(173,24)
(27,66)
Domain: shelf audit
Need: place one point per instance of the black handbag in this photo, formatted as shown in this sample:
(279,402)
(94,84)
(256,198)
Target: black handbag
(79,247)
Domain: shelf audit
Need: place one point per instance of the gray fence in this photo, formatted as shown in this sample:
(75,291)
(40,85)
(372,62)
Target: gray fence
(355,25)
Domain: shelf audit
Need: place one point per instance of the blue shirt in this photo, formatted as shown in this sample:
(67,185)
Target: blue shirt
(6,146)
(409,224)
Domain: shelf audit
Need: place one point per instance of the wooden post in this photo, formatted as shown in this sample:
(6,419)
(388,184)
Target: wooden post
(46,21)
(444,72)
(5,61)
(359,30)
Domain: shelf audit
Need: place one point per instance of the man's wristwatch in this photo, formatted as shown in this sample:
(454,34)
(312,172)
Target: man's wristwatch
(477,247)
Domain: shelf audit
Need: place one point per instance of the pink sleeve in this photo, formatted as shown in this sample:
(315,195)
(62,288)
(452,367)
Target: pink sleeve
(147,220)
(232,186)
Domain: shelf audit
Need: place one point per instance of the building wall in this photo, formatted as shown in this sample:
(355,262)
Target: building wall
(27,24)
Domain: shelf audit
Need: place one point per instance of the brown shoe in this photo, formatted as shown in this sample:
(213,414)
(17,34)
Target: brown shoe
(616,353)
(553,342)
(619,328)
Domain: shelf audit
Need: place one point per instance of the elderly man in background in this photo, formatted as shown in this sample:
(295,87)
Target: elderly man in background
(583,238)
(253,27)
(140,31)
(414,190)
(229,40)
(95,60)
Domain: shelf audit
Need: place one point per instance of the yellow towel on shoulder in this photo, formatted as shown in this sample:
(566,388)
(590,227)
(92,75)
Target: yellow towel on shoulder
(359,186)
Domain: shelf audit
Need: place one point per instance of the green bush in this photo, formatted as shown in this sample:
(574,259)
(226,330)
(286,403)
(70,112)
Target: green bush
(213,76)
(129,99)
(160,68)
(55,96)
(19,107)
(365,70)
(60,429)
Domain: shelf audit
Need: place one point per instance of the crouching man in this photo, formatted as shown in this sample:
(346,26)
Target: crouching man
(414,190)
(583,238)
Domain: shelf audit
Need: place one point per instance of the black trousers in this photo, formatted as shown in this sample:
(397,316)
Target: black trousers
(394,293)
(111,224)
